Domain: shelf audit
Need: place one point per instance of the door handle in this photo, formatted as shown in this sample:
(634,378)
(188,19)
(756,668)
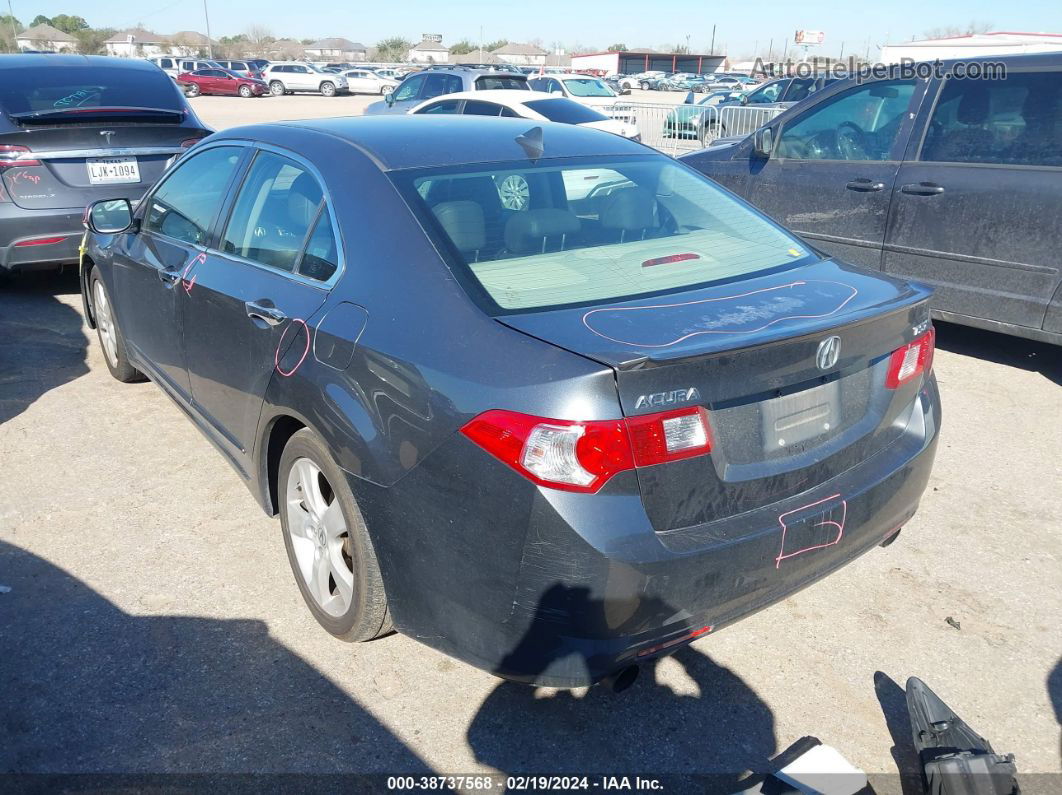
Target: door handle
(269,315)
(922,189)
(167,276)
(865,186)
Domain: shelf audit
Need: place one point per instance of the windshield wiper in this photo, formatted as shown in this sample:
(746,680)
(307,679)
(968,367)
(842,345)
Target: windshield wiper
(128,110)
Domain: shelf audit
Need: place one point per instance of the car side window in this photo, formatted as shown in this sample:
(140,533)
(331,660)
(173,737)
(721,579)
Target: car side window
(276,206)
(321,258)
(859,124)
(1013,121)
(475,108)
(446,106)
(509,113)
(185,204)
(537,84)
(410,88)
(768,93)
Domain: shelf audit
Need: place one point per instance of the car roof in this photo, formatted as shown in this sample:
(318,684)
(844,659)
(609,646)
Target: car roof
(55,61)
(397,142)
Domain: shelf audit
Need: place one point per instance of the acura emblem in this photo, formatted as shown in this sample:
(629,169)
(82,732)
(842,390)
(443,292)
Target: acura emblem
(828,353)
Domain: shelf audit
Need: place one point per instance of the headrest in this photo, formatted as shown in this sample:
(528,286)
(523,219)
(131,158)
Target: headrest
(974,106)
(630,209)
(463,222)
(525,231)
(304,196)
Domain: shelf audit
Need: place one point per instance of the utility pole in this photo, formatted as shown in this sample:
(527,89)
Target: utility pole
(770,51)
(210,42)
(713,37)
(14,31)
(842,52)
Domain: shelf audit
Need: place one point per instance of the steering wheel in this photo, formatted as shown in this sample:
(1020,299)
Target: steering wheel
(851,141)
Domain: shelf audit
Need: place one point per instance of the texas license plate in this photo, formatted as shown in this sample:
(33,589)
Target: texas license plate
(111,170)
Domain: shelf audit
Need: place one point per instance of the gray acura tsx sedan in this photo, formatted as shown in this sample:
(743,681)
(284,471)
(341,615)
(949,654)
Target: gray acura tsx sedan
(537,396)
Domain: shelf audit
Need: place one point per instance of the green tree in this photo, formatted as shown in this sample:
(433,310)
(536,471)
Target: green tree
(90,40)
(69,24)
(9,26)
(40,19)
(463,47)
(393,49)
(495,45)
(617,48)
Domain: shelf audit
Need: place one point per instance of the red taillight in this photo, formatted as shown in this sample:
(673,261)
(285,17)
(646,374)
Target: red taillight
(911,360)
(582,456)
(12,155)
(41,241)
(674,641)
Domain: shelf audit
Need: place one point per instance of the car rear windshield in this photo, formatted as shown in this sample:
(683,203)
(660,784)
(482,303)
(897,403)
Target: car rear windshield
(501,82)
(587,87)
(529,236)
(565,111)
(52,89)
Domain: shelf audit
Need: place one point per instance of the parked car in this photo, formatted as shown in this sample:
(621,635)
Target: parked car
(556,438)
(436,82)
(192,64)
(783,92)
(392,74)
(366,81)
(696,120)
(74,129)
(222,82)
(956,183)
(243,68)
(291,76)
(727,83)
(635,80)
(525,105)
(685,81)
(590,91)
(615,82)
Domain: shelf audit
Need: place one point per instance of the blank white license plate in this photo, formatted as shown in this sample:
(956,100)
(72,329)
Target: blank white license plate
(110,170)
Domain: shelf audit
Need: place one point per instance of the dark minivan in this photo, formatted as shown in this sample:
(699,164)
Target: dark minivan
(74,129)
(955,182)
(537,396)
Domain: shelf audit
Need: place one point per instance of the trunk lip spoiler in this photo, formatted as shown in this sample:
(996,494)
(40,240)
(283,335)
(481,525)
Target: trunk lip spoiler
(125,151)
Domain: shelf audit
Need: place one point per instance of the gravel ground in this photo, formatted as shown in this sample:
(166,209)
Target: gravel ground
(153,623)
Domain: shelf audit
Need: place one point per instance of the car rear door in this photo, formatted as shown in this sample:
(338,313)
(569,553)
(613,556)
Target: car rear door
(249,313)
(977,207)
(153,267)
(831,173)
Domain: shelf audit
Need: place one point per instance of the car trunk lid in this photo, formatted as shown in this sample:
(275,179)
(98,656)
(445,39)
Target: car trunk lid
(783,417)
(50,163)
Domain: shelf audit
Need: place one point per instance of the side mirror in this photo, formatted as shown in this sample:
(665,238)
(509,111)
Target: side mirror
(389,98)
(763,142)
(109,216)
(744,99)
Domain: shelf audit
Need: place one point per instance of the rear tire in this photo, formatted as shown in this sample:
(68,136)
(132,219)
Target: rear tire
(193,90)
(328,89)
(276,88)
(325,535)
(245,92)
(110,336)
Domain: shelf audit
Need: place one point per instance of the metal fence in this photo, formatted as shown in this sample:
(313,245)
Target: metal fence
(674,129)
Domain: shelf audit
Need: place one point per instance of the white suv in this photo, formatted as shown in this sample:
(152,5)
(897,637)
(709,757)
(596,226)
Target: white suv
(290,76)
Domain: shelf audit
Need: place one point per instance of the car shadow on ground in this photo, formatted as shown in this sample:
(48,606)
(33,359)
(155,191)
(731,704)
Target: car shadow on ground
(713,725)
(1037,357)
(42,340)
(87,687)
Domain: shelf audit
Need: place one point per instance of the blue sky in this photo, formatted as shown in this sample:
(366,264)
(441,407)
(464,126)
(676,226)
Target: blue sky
(636,23)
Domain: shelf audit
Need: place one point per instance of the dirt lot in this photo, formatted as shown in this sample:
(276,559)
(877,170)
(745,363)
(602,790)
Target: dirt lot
(153,623)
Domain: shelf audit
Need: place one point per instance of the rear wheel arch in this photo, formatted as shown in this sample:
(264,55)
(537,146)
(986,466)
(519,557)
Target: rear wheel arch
(274,439)
(87,266)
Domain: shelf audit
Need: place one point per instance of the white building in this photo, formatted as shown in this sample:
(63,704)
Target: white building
(973,45)
(429,51)
(45,37)
(137,43)
(521,54)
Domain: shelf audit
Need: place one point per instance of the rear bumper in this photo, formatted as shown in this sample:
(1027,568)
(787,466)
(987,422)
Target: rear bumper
(561,589)
(18,225)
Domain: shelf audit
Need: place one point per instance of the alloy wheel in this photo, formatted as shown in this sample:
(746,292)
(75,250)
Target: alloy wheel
(276,88)
(105,324)
(320,538)
(514,192)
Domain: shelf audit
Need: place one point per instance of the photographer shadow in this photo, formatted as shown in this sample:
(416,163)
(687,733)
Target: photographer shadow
(712,724)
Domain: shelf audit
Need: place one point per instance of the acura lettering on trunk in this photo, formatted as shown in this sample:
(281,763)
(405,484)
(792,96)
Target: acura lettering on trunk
(554,410)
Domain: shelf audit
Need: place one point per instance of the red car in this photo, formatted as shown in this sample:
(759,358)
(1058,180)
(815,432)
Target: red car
(220,81)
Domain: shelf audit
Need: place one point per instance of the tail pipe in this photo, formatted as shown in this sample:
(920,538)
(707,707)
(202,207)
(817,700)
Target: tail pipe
(620,680)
